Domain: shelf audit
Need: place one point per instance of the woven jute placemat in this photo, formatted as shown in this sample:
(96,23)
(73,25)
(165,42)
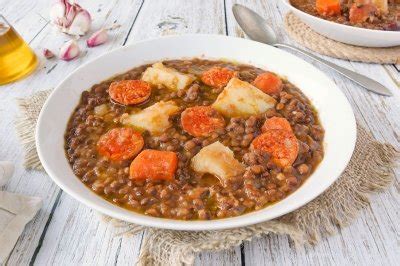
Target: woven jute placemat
(370,170)
(305,36)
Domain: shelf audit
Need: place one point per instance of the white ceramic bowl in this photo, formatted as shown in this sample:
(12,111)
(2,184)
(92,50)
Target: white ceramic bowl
(347,34)
(335,112)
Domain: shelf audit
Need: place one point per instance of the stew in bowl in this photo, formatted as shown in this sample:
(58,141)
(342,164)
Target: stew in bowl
(185,140)
(194,139)
(368,14)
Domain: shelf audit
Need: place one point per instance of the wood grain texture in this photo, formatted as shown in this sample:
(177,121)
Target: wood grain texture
(77,236)
(158,18)
(48,74)
(66,232)
(371,235)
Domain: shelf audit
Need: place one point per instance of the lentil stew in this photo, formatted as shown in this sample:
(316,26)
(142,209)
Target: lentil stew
(369,14)
(194,139)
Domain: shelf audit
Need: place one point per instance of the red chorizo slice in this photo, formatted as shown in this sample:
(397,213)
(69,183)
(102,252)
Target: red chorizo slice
(129,91)
(120,144)
(201,121)
(217,77)
(276,123)
(281,144)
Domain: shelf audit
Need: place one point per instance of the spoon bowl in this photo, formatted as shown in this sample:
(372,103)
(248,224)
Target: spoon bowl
(260,31)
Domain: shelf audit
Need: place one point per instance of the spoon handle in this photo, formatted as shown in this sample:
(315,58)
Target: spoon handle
(361,80)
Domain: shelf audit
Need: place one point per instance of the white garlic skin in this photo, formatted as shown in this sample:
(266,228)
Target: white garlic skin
(47,53)
(97,38)
(6,172)
(81,24)
(69,50)
(70,18)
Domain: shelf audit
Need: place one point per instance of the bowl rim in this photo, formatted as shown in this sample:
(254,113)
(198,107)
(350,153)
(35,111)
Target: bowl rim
(343,26)
(188,225)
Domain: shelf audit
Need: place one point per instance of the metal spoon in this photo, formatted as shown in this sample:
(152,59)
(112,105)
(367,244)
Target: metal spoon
(257,29)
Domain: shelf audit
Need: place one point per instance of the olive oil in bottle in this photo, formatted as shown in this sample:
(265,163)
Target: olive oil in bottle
(16,58)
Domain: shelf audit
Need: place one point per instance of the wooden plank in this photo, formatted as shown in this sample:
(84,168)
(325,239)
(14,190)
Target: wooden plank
(73,227)
(159,18)
(76,229)
(25,16)
(222,258)
(370,238)
(37,183)
(394,73)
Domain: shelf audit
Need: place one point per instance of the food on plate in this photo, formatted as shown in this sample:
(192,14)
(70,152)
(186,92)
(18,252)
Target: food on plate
(241,99)
(268,83)
(382,5)
(129,91)
(361,13)
(201,121)
(218,160)
(154,119)
(369,14)
(162,76)
(217,77)
(199,150)
(154,165)
(281,144)
(328,7)
(120,144)
(276,123)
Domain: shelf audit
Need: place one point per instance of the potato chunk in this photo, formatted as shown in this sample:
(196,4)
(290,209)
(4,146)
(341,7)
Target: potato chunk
(382,5)
(240,98)
(218,160)
(161,76)
(154,118)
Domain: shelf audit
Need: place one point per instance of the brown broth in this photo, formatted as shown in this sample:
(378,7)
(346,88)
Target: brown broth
(191,195)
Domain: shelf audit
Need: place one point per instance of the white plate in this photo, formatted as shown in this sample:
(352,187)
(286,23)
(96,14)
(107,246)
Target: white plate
(347,34)
(335,112)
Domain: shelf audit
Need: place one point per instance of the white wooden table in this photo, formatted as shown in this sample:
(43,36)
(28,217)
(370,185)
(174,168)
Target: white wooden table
(68,233)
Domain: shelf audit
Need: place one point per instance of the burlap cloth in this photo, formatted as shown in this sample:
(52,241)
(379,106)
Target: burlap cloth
(370,169)
(305,36)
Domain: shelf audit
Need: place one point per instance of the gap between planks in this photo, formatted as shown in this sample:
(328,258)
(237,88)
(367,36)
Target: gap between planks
(60,190)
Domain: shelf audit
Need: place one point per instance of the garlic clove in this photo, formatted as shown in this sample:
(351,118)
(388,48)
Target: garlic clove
(57,12)
(6,172)
(70,12)
(47,53)
(80,24)
(97,38)
(69,50)
(70,18)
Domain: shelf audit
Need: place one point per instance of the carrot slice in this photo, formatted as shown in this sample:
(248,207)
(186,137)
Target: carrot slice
(268,83)
(129,91)
(328,7)
(217,77)
(361,12)
(276,123)
(201,121)
(154,164)
(281,144)
(120,144)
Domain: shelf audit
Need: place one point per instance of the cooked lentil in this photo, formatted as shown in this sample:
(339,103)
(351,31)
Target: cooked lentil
(192,195)
(389,21)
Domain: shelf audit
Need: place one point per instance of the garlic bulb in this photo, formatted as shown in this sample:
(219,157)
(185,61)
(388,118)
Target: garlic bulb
(97,38)
(69,50)
(6,172)
(70,18)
